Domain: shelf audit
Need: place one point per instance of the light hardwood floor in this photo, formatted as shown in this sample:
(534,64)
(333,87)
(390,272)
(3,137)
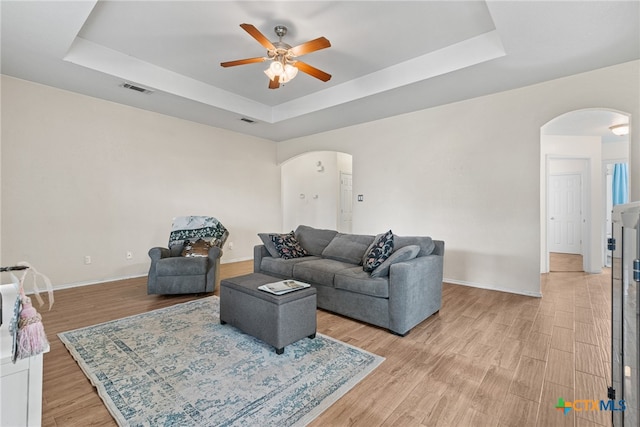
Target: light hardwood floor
(486,359)
(559,262)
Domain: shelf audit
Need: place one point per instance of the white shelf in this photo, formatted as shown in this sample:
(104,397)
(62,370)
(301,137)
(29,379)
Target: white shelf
(20,382)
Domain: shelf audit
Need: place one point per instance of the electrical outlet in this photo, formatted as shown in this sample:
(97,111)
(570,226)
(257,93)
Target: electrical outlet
(129,255)
(230,246)
(87,259)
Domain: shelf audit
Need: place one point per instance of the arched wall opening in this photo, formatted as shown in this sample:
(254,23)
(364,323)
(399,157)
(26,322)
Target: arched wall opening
(316,191)
(578,154)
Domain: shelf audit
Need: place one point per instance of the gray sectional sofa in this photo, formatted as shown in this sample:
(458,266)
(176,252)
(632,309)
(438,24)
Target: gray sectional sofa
(399,294)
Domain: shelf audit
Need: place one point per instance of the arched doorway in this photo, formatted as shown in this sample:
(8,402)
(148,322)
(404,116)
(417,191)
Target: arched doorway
(316,191)
(578,151)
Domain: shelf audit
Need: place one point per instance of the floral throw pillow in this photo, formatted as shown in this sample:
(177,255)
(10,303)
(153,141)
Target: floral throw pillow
(378,252)
(287,246)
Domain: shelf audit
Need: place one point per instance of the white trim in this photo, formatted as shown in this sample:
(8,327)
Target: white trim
(492,287)
(606,190)
(241,259)
(98,282)
(115,279)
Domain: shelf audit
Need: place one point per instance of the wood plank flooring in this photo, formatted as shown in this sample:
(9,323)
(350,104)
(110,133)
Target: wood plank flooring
(486,359)
(565,262)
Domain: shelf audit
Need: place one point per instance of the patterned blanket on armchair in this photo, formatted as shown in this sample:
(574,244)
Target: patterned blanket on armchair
(192,228)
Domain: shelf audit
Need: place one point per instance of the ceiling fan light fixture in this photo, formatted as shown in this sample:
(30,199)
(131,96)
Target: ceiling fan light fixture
(289,73)
(284,66)
(620,130)
(270,73)
(276,68)
(285,72)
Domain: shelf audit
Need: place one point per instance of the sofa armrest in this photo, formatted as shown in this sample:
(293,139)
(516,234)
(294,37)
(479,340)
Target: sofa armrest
(259,252)
(415,291)
(215,253)
(212,278)
(158,253)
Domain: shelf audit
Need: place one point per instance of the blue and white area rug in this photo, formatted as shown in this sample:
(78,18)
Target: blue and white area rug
(177,366)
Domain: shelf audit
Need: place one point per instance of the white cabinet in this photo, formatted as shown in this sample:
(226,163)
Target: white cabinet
(20,382)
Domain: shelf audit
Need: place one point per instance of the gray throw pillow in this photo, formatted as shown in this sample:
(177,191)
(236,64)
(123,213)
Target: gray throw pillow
(347,248)
(268,244)
(314,240)
(405,253)
(424,242)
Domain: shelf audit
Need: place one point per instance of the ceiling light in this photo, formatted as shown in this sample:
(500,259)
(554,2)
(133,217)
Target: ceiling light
(289,73)
(270,73)
(276,68)
(621,129)
(281,68)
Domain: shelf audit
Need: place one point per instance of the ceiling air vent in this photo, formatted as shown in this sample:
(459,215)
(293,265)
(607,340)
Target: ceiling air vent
(244,119)
(136,88)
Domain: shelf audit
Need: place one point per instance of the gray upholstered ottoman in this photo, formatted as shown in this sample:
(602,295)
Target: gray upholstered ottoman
(278,320)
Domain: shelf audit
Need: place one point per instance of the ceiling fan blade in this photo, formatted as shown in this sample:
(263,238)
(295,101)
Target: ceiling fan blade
(242,62)
(256,34)
(275,83)
(310,46)
(312,71)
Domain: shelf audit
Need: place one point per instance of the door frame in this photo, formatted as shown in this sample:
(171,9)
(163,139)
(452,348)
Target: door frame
(341,205)
(585,190)
(607,190)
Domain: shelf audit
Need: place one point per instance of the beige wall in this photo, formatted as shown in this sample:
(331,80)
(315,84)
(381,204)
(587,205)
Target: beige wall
(312,197)
(469,172)
(83,176)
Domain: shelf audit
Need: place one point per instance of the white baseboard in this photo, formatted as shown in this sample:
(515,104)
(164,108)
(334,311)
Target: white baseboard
(95,282)
(115,279)
(229,261)
(492,288)
(452,281)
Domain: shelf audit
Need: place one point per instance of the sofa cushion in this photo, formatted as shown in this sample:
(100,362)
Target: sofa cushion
(281,266)
(355,280)
(378,252)
(180,266)
(287,246)
(314,240)
(426,243)
(348,247)
(405,253)
(268,244)
(319,271)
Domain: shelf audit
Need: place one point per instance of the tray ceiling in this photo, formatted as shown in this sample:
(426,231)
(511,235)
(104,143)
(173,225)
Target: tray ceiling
(386,58)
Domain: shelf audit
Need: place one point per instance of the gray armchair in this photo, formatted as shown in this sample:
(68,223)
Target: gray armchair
(172,273)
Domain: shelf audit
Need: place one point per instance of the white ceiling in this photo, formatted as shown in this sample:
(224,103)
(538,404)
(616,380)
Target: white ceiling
(386,58)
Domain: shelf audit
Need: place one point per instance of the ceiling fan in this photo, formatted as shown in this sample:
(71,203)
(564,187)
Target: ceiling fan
(284,65)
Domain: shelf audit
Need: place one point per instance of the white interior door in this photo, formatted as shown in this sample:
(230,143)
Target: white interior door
(565,214)
(346,202)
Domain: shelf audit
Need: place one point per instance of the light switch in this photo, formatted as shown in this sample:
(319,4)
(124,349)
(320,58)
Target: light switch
(360,197)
